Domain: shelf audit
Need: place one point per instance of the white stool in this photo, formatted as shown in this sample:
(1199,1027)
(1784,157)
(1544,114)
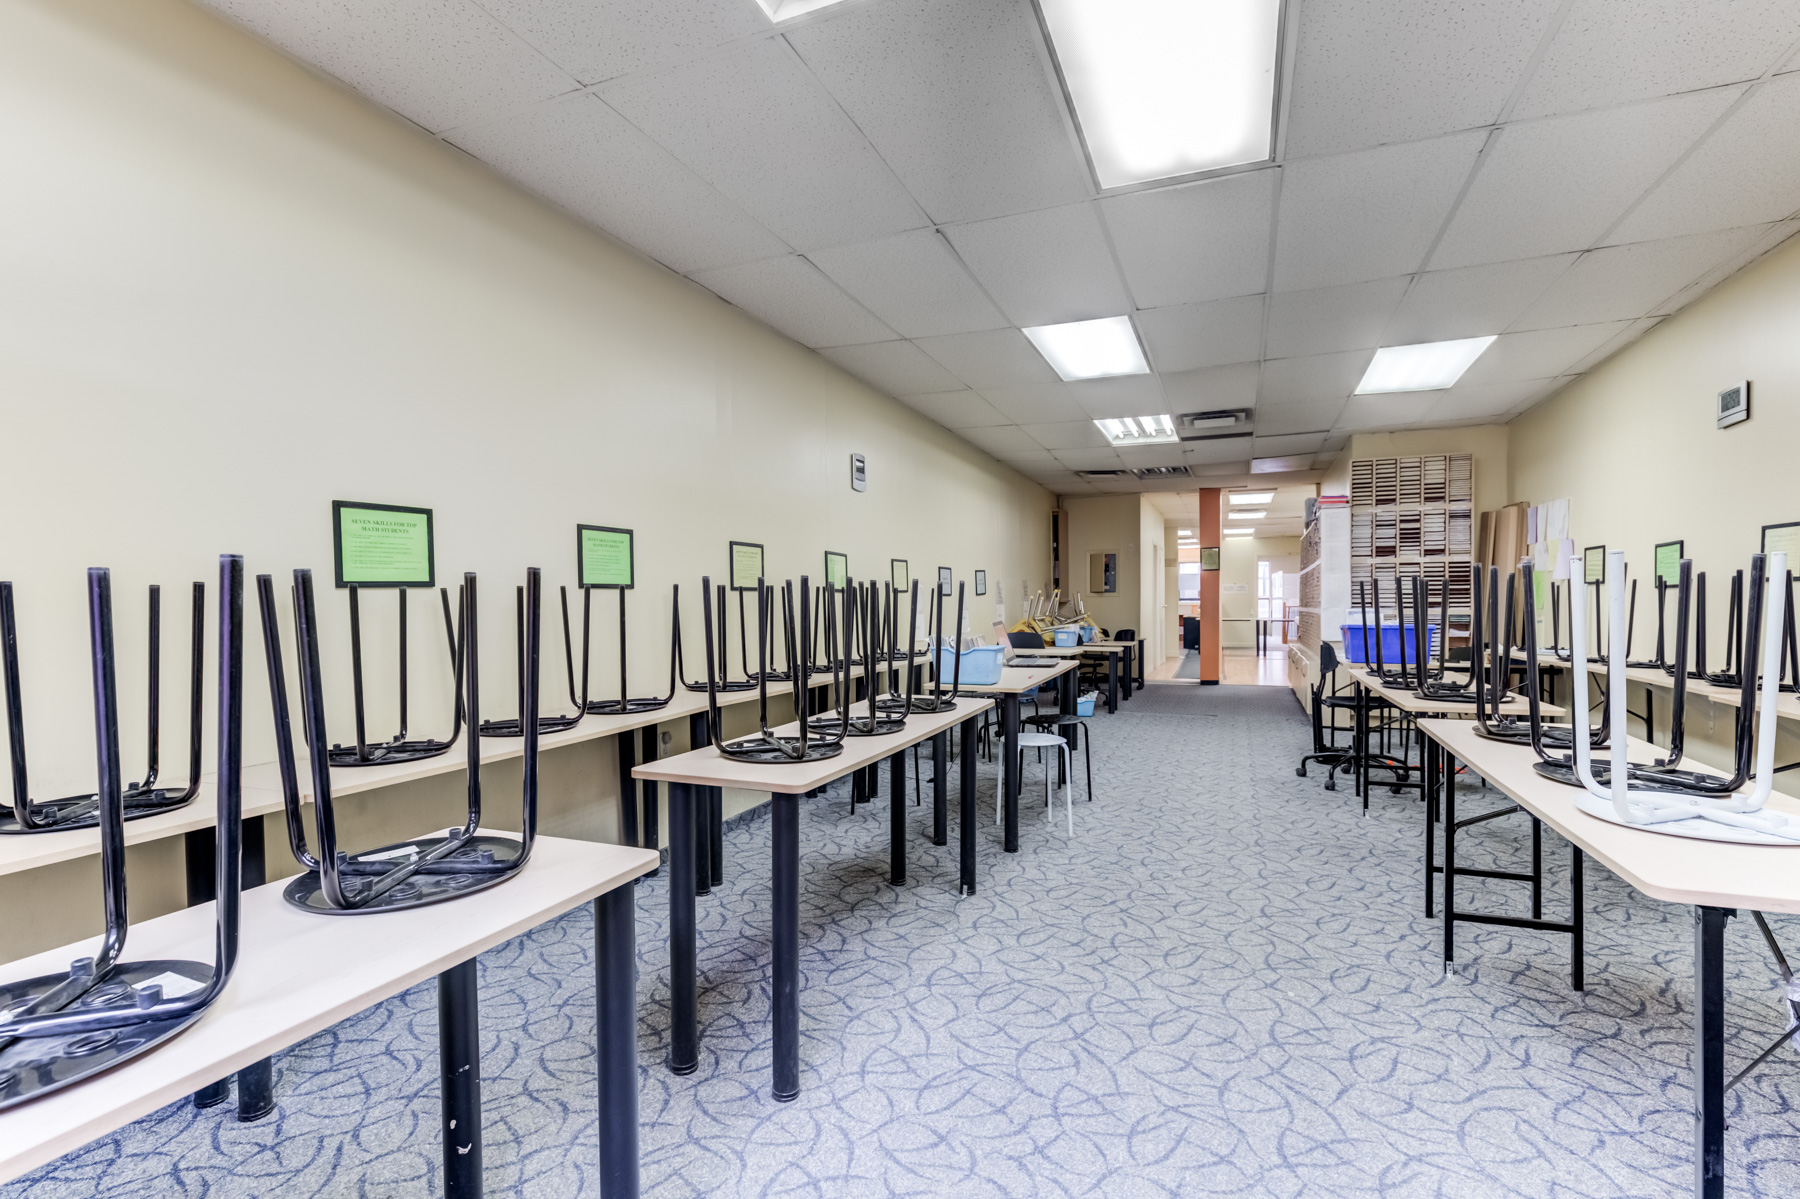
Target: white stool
(1043,741)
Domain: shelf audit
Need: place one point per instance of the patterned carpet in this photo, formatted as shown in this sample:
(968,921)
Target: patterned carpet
(1223,985)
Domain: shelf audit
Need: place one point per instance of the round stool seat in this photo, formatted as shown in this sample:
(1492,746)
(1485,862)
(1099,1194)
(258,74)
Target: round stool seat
(1039,740)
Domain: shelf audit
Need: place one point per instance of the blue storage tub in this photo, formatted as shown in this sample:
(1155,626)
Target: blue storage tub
(1067,638)
(1084,703)
(1087,633)
(1391,644)
(980,666)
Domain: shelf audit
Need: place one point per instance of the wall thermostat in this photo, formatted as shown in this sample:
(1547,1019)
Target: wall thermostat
(859,473)
(1734,405)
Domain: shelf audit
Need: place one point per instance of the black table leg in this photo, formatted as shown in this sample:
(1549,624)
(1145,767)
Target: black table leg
(652,833)
(1537,868)
(1449,863)
(940,788)
(784,836)
(897,818)
(1009,724)
(615,1015)
(459,1079)
(1431,803)
(1362,745)
(715,833)
(626,745)
(966,803)
(1125,690)
(684,1004)
(699,735)
(1709,1051)
(1112,683)
(1578,921)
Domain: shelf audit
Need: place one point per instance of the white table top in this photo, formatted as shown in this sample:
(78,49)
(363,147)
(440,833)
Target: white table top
(1015,680)
(1673,869)
(297,974)
(1406,701)
(262,782)
(1787,706)
(706,767)
(1075,651)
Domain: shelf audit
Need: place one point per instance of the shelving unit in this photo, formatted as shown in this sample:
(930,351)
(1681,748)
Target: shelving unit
(1324,594)
(1414,517)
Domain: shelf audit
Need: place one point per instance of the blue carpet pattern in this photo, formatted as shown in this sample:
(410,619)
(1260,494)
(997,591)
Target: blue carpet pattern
(1224,985)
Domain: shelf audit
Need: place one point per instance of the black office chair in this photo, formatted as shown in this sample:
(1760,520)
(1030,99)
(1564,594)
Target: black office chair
(1026,639)
(1325,698)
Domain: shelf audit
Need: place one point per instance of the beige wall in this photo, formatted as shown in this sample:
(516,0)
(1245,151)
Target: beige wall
(1150,568)
(1237,566)
(234,292)
(1634,449)
(1107,524)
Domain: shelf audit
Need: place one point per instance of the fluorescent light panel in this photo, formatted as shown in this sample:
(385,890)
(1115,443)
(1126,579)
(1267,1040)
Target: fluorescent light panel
(786,10)
(1167,87)
(1429,366)
(1240,532)
(1090,349)
(1137,430)
(1256,515)
(1251,497)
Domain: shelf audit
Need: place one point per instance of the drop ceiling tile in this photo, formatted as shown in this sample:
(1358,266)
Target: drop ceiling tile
(1484,401)
(1149,457)
(1329,319)
(1197,242)
(1632,331)
(1368,72)
(1626,282)
(1471,301)
(438,63)
(1772,236)
(1190,336)
(1281,420)
(1212,453)
(1038,403)
(1289,444)
(913,282)
(790,294)
(993,358)
(578,153)
(1320,377)
(897,367)
(1044,267)
(1736,177)
(1549,392)
(1107,459)
(1070,435)
(1212,389)
(1385,411)
(751,120)
(1540,354)
(955,95)
(1001,439)
(956,409)
(1027,462)
(1368,215)
(1124,395)
(1546,187)
(596,42)
(1614,51)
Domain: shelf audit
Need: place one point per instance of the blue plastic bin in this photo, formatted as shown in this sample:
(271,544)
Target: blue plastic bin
(980,665)
(1084,703)
(1391,644)
(1087,633)
(1067,638)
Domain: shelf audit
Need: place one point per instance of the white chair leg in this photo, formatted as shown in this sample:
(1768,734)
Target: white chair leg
(1049,795)
(1069,787)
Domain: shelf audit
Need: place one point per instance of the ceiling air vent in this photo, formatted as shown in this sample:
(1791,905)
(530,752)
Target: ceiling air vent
(1161,472)
(1102,474)
(1215,425)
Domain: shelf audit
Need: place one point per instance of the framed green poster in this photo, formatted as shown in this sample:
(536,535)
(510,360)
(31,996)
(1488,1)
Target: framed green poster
(382,545)
(1668,560)
(1593,564)
(981,582)
(1783,539)
(604,557)
(837,568)
(897,569)
(746,565)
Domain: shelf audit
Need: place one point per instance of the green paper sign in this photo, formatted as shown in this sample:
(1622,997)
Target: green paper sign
(1668,561)
(1783,539)
(837,568)
(603,557)
(1593,564)
(902,580)
(746,565)
(382,545)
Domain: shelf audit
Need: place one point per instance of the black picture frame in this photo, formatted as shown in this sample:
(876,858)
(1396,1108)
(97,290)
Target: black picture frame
(337,544)
(899,573)
(1674,574)
(731,561)
(581,559)
(844,572)
(1586,567)
(946,580)
(1780,536)
(981,582)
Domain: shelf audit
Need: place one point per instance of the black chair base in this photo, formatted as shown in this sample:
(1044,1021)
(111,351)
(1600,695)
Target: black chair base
(462,873)
(756,749)
(737,685)
(35,1066)
(388,754)
(860,726)
(144,803)
(1333,760)
(614,707)
(1666,782)
(513,728)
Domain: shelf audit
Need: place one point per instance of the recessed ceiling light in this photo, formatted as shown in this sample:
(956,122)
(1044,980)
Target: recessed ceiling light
(1137,430)
(787,10)
(1091,349)
(1240,532)
(1259,513)
(1429,366)
(1167,87)
(1251,497)
(1185,532)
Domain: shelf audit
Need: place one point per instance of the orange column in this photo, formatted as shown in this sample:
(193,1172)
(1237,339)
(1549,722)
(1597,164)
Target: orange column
(1209,586)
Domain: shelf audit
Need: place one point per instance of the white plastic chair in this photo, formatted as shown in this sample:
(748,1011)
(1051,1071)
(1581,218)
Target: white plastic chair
(1042,741)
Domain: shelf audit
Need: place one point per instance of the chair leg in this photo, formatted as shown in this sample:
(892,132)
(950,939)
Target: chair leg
(1069,788)
(1087,756)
